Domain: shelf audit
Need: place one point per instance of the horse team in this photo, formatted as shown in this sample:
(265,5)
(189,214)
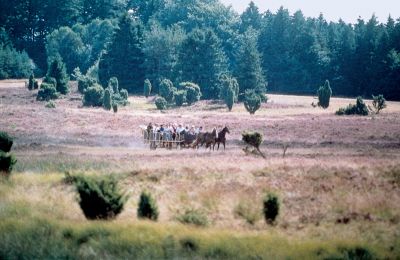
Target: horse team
(166,136)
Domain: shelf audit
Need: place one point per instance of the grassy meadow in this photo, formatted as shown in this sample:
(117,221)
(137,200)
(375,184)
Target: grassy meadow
(338,183)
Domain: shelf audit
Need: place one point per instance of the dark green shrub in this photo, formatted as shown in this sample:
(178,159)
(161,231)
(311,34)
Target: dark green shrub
(357,253)
(115,107)
(31,83)
(253,139)
(50,104)
(7,162)
(180,97)
(229,98)
(147,207)
(35,84)
(358,109)
(113,84)
(193,217)
(271,207)
(46,92)
(252,101)
(6,142)
(161,103)
(99,196)
(379,103)
(85,82)
(124,94)
(107,99)
(50,80)
(93,96)
(58,71)
(193,93)
(167,90)
(324,95)
(147,88)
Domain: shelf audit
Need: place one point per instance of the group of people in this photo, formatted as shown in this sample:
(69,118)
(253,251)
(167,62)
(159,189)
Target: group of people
(171,132)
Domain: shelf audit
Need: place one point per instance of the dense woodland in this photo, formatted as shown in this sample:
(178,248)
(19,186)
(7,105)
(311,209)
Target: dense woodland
(200,41)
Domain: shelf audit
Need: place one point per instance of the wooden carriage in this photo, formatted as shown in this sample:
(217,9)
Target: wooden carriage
(163,140)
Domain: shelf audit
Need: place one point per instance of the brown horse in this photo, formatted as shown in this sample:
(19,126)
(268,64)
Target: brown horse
(209,138)
(221,137)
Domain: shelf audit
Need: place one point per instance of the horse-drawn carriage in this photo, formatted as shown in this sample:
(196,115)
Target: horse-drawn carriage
(184,139)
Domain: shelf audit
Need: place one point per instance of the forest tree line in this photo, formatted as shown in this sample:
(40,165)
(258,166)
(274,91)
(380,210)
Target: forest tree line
(200,41)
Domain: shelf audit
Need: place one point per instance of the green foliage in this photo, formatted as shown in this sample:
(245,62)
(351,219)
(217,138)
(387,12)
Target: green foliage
(107,99)
(247,210)
(193,93)
(115,107)
(195,217)
(271,206)
(252,101)
(58,71)
(35,84)
(249,72)
(161,103)
(324,95)
(113,84)
(6,142)
(147,88)
(50,80)
(147,207)
(124,56)
(46,92)
(358,109)
(84,82)
(180,97)
(50,104)
(379,103)
(13,63)
(202,61)
(124,94)
(167,90)
(31,82)
(93,96)
(99,196)
(7,162)
(252,138)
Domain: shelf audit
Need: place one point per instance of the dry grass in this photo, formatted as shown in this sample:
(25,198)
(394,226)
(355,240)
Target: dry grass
(338,180)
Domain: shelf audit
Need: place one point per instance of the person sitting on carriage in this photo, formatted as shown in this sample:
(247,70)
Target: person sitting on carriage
(199,130)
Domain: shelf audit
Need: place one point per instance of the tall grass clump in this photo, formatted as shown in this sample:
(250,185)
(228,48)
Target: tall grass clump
(194,217)
(99,196)
(271,206)
(248,211)
(147,207)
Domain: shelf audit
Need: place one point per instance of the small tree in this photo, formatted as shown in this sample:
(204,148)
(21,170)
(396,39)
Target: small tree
(93,96)
(113,84)
(167,90)
(100,196)
(46,92)
(31,83)
(193,93)
(252,101)
(84,82)
(229,98)
(50,80)
(147,88)
(324,95)
(271,207)
(379,103)
(180,97)
(161,103)
(7,162)
(147,207)
(58,71)
(107,99)
(253,139)
(6,142)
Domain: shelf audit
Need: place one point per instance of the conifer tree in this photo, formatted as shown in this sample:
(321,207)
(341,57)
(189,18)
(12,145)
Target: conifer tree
(58,71)
(324,95)
(124,56)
